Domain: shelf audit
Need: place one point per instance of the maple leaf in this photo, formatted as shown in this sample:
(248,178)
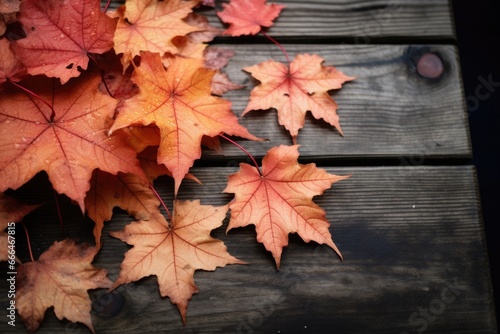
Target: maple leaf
(192,45)
(60,278)
(222,84)
(60,34)
(145,140)
(150,25)
(115,80)
(9,6)
(126,191)
(10,67)
(216,58)
(206,32)
(294,91)
(173,252)
(279,201)
(11,210)
(68,145)
(179,102)
(212,143)
(8,10)
(185,48)
(246,17)
(140,137)
(148,160)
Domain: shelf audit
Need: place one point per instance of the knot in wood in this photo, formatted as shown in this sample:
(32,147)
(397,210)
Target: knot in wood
(430,66)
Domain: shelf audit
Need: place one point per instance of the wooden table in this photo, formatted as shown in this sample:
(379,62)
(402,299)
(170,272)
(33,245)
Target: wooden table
(408,221)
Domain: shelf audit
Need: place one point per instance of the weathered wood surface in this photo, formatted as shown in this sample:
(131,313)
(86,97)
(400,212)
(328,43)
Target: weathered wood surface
(411,237)
(389,110)
(361,20)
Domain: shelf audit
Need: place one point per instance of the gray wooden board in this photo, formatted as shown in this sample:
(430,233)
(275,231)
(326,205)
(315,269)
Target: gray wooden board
(362,20)
(389,110)
(412,239)
(359,20)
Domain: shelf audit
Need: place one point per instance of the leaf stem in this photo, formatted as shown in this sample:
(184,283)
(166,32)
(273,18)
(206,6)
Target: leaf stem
(106,7)
(243,149)
(278,44)
(161,201)
(29,242)
(58,208)
(53,112)
(100,73)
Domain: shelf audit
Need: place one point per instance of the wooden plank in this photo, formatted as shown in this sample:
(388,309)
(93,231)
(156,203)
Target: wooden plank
(412,240)
(362,20)
(388,111)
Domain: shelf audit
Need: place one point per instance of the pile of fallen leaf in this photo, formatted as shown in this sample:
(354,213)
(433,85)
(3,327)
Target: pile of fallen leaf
(107,101)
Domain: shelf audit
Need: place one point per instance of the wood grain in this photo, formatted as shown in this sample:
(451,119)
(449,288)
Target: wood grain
(361,21)
(389,110)
(408,235)
(412,236)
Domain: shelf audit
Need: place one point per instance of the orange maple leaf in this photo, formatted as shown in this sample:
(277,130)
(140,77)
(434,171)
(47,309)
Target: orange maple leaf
(151,167)
(10,67)
(60,34)
(150,25)
(60,278)
(179,103)
(192,45)
(295,90)
(248,16)
(174,251)
(68,143)
(126,191)
(140,137)
(279,201)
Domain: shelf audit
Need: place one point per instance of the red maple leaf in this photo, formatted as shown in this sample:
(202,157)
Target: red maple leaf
(68,142)
(248,16)
(61,34)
